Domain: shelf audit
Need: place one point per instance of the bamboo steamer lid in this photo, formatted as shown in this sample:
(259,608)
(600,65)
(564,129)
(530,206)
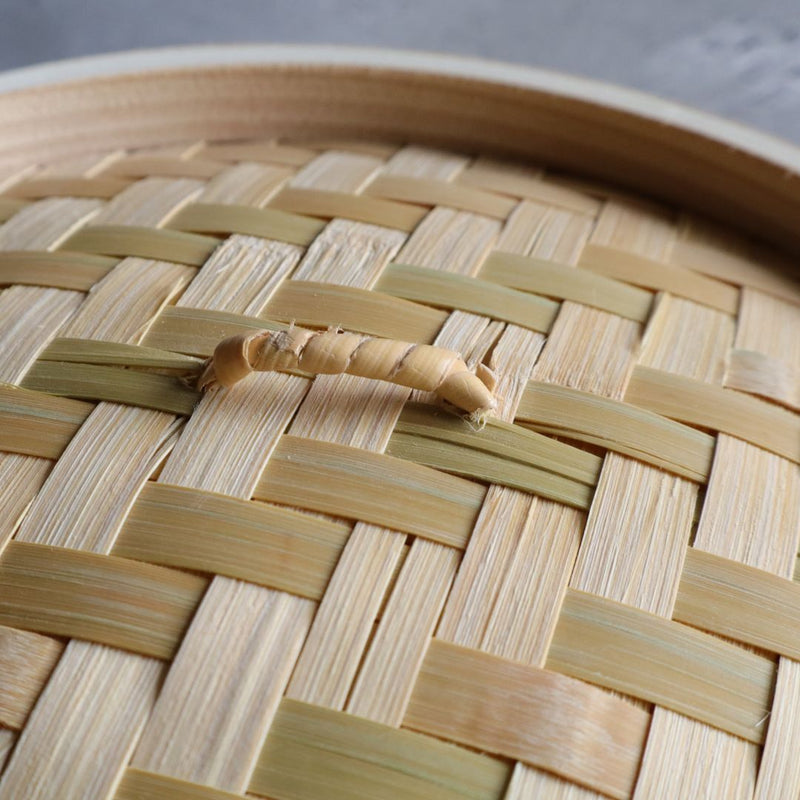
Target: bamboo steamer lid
(329,586)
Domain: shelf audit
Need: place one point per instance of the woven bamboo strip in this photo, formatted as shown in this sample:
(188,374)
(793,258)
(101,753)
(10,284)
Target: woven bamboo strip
(520,711)
(57,270)
(138,784)
(429,192)
(147,203)
(452,291)
(45,224)
(129,240)
(36,424)
(414,161)
(266,545)
(750,605)
(85,673)
(769,427)
(721,254)
(658,276)
(367,147)
(342,172)
(313,304)
(37,188)
(95,351)
(268,223)
(10,207)
(617,426)
(244,184)
(145,166)
(269,152)
(26,661)
(64,592)
(552,280)
(358,758)
(759,374)
(21,477)
(653,659)
(8,739)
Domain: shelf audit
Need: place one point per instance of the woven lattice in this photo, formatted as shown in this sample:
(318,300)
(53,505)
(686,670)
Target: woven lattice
(330,587)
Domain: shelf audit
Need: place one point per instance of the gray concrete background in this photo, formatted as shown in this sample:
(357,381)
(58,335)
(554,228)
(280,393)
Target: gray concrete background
(736,58)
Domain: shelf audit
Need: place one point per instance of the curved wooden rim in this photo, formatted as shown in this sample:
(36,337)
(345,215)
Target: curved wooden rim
(744,178)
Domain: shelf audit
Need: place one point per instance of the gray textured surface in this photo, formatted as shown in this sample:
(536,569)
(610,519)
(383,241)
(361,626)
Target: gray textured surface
(736,58)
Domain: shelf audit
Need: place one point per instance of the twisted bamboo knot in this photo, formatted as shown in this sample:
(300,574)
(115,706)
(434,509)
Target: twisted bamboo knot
(334,352)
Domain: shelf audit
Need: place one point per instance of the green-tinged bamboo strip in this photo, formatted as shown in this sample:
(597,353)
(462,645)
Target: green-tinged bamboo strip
(138,784)
(58,269)
(321,305)
(197,331)
(542,718)
(356,484)
(37,424)
(329,204)
(663,662)
(501,453)
(26,661)
(37,188)
(9,206)
(765,376)
(268,152)
(709,406)
(267,545)
(631,268)
(733,599)
(113,384)
(617,426)
(130,240)
(453,291)
(313,752)
(268,223)
(144,166)
(113,601)
(95,351)
(429,192)
(550,279)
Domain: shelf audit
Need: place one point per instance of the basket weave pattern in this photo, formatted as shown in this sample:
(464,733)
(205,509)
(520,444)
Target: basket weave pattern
(329,587)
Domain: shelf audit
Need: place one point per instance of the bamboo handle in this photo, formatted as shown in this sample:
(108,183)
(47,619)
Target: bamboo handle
(332,352)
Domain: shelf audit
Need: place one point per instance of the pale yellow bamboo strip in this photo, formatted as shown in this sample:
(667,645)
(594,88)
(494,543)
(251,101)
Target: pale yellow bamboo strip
(732,599)
(631,268)
(516,181)
(58,270)
(138,784)
(530,784)
(36,188)
(453,291)
(455,241)
(38,424)
(65,592)
(245,184)
(23,310)
(365,147)
(9,207)
(146,165)
(617,426)
(354,757)
(8,739)
(764,376)
(21,477)
(97,351)
(224,709)
(197,331)
(45,224)
(83,165)
(540,717)
(267,151)
(242,274)
(414,161)
(695,403)
(384,684)
(672,665)
(129,240)
(26,661)
(351,482)
(770,326)
(147,203)
(267,545)
(431,192)
(266,223)
(309,303)
(546,278)
(636,226)
(734,259)
(45,758)
(329,204)
(334,171)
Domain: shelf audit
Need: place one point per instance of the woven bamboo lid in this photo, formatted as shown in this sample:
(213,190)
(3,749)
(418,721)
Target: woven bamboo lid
(330,586)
